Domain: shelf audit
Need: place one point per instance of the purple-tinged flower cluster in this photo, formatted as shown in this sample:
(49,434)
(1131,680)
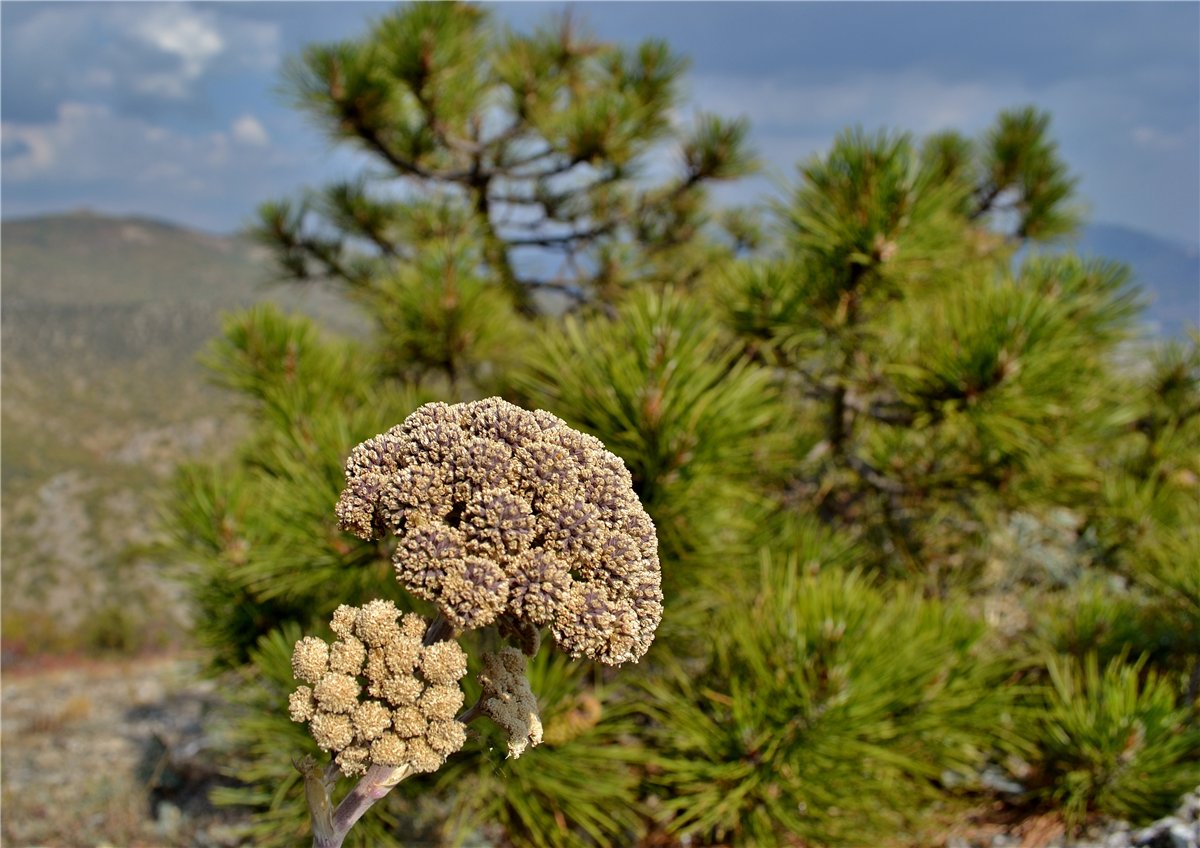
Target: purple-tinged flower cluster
(502,513)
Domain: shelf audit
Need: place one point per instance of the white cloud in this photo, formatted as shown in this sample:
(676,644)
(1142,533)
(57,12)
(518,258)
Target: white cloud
(1155,139)
(99,78)
(159,51)
(248,130)
(43,144)
(192,39)
(89,143)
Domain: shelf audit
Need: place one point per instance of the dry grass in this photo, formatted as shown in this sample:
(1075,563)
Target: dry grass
(76,709)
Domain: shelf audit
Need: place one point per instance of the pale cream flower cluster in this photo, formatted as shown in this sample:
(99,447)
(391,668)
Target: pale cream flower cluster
(508,700)
(505,514)
(377,695)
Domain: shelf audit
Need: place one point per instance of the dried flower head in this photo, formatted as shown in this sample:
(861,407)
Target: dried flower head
(377,695)
(504,512)
(310,660)
(508,700)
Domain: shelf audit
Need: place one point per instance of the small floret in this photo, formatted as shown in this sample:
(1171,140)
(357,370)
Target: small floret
(443,662)
(336,692)
(332,731)
(353,759)
(310,660)
(422,757)
(409,722)
(376,624)
(441,702)
(343,620)
(370,718)
(389,750)
(446,735)
(401,690)
(346,655)
(301,705)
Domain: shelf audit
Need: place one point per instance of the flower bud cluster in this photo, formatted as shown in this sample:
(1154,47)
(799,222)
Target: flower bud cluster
(377,695)
(508,700)
(501,512)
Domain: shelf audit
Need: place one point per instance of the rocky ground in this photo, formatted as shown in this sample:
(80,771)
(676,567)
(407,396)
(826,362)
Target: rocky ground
(1181,830)
(116,753)
(109,753)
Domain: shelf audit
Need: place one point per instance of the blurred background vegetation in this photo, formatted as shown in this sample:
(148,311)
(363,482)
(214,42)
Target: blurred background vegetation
(927,495)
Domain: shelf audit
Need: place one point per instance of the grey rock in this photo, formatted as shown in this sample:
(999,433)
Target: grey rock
(169,819)
(995,779)
(1182,835)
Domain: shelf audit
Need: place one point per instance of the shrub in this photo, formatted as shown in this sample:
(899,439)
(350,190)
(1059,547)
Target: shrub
(827,711)
(1112,742)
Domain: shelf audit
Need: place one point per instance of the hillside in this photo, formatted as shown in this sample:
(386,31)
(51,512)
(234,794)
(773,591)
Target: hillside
(102,322)
(90,259)
(1169,273)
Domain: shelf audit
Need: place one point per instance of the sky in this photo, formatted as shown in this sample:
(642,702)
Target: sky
(173,110)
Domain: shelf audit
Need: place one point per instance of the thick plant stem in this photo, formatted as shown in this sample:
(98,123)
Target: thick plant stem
(438,631)
(330,829)
(330,826)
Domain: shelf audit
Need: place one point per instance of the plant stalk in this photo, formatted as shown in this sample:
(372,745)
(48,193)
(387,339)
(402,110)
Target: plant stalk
(330,828)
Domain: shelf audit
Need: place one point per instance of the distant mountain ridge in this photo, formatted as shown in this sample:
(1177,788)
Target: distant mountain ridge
(89,258)
(103,318)
(1168,272)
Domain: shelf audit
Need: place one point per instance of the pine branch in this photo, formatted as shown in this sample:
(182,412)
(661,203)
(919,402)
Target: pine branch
(564,239)
(574,292)
(985,201)
(406,166)
(873,475)
(885,411)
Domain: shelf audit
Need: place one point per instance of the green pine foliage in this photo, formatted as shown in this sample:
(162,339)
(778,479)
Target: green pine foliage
(825,710)
(1023,178)
(1113,741)
(1096,614)
(660,384)
(917,365)
(892,469)
(259,545)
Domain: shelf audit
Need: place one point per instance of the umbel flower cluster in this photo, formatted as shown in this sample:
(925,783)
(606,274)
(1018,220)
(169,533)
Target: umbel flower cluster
(501,513)
(501,516)
(377,695)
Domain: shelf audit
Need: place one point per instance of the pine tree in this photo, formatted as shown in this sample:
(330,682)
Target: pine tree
(891,447)
(508,180)
(921,366)
(508,188)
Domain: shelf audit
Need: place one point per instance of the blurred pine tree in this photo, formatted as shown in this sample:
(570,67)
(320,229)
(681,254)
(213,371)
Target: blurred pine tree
(957,467)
